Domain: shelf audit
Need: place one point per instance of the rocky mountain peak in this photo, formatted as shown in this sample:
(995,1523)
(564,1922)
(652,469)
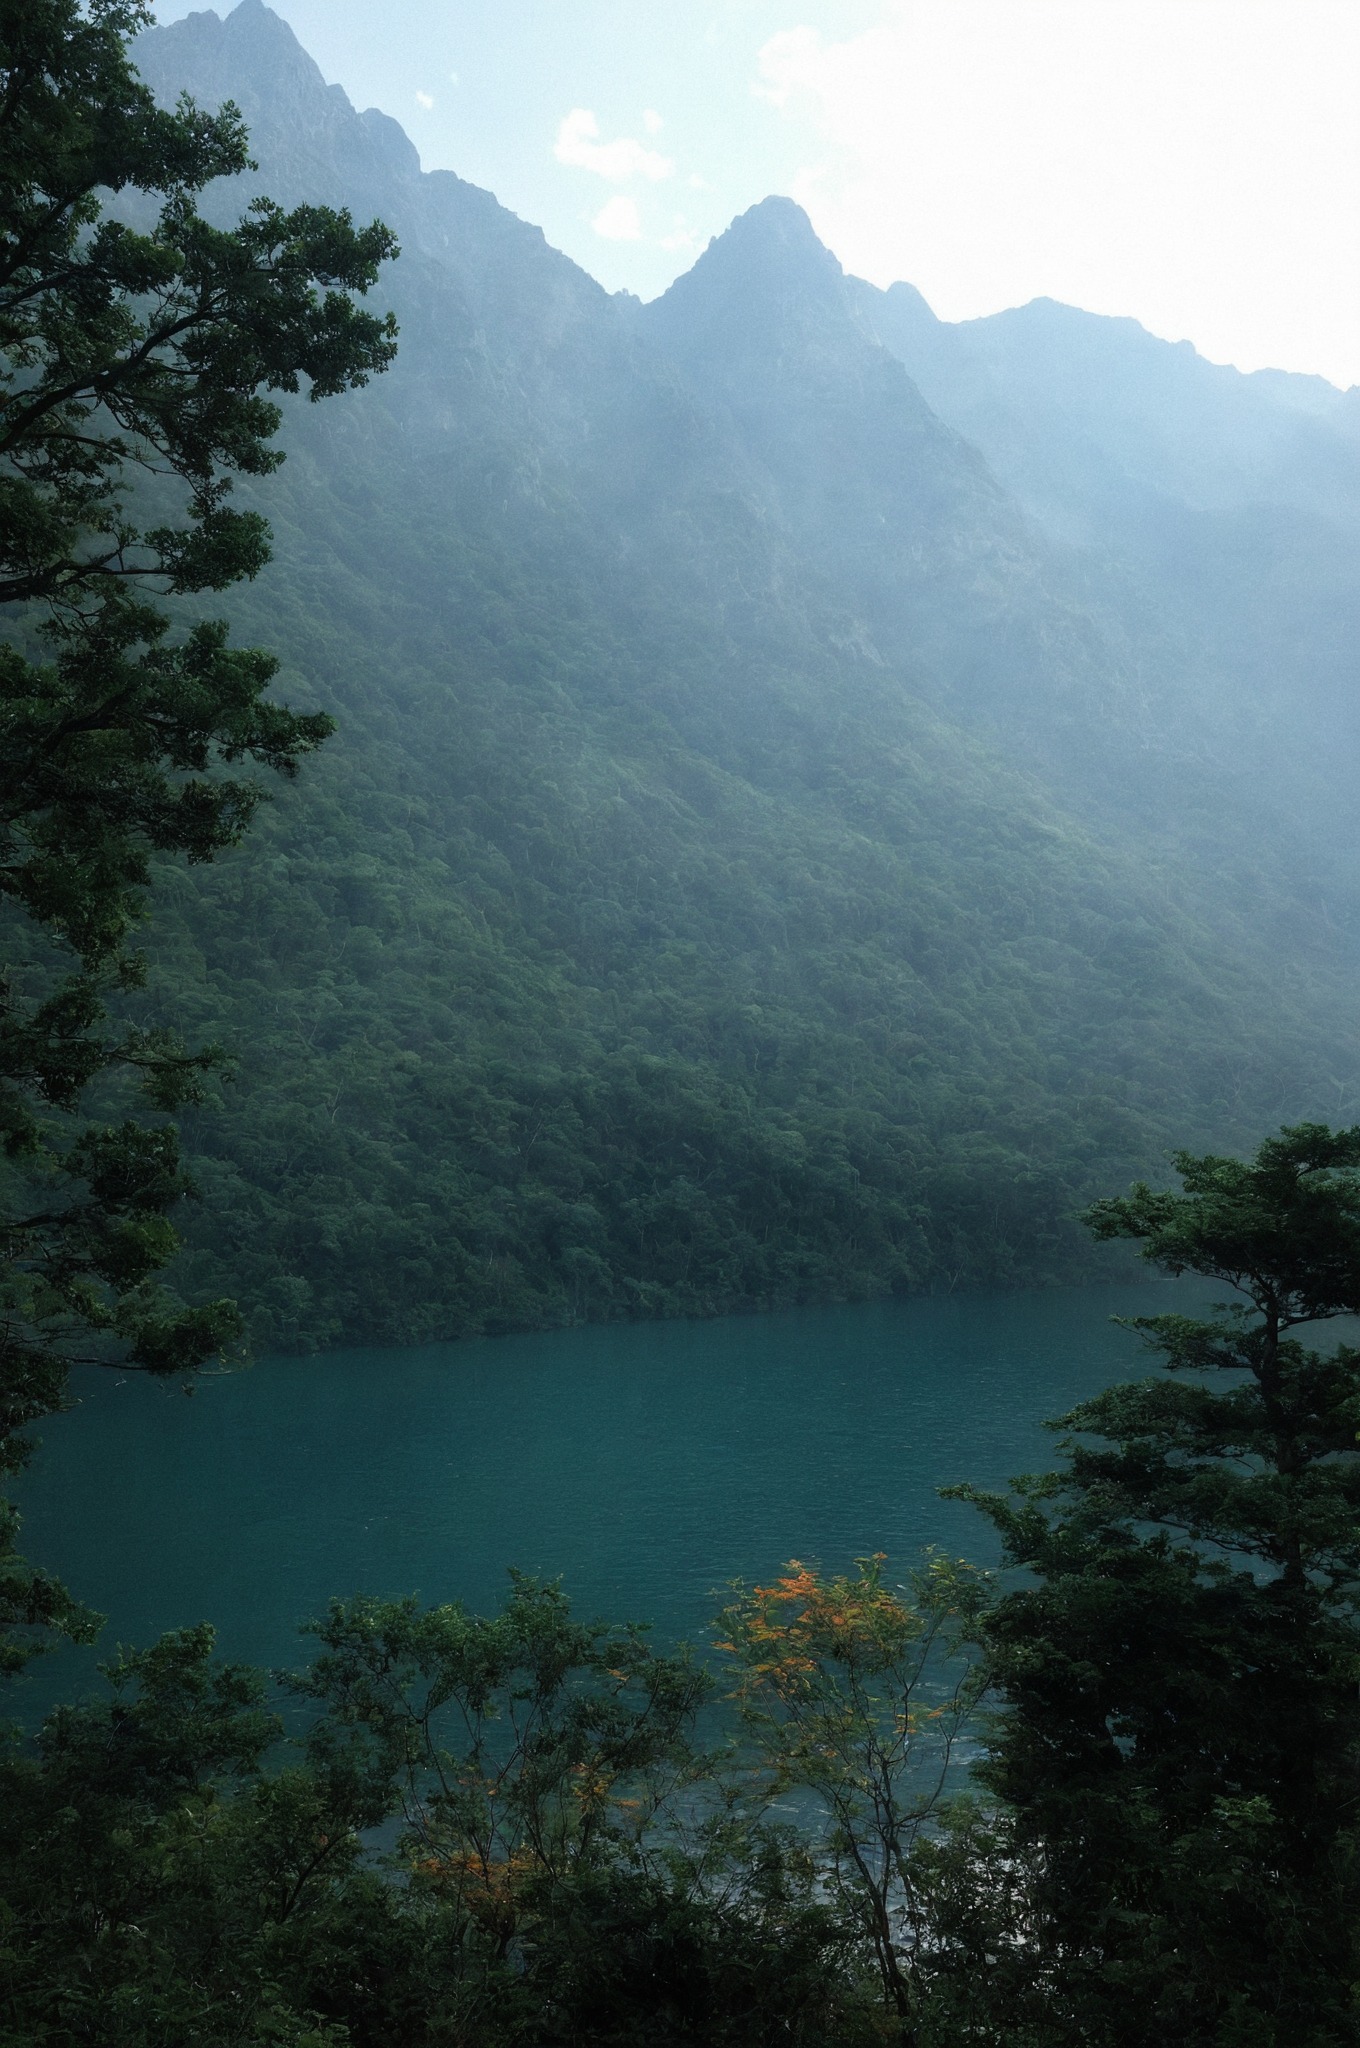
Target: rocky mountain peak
(249,55)
(306,132)
(767,273)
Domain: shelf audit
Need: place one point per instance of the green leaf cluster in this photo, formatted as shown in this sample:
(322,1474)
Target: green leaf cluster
(135,363)
(1182,1727)
(498,1831)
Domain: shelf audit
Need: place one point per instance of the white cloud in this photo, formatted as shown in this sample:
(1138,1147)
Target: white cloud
(453,78)
(578,143)
(1197,166)
(793,61)
(618,220)
(652,121)
(425,99)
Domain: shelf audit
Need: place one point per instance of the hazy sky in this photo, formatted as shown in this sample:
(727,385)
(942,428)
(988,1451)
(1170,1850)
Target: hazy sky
(1195,163)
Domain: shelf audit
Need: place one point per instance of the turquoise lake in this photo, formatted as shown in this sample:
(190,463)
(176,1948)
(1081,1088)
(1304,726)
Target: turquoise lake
(646,1464)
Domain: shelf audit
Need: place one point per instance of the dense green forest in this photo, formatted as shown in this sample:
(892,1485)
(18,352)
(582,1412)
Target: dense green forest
(754,864)
(569,1019)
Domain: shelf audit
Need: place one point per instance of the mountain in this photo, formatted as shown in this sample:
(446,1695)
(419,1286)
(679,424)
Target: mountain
(1080,414)
(1231,502)
(767,855)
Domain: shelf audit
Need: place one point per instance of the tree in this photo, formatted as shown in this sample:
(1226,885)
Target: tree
(490,1831)
(524,1747)
(1181,1740)
(857,1696)
(136,363)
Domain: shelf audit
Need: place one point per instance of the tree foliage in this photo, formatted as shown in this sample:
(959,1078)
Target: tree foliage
(1181,1737)
(498,1831)
(856,1696)
(139,347)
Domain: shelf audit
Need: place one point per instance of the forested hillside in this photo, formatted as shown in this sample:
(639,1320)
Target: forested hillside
(762,859)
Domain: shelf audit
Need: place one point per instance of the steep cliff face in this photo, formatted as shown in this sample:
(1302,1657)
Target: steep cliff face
(899,521)
(762,858)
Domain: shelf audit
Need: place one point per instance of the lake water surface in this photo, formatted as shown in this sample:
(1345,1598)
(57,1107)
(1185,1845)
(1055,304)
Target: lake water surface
(647,1464)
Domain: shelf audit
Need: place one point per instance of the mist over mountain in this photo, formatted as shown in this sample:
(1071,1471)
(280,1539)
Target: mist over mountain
(820,792)
(1231,502)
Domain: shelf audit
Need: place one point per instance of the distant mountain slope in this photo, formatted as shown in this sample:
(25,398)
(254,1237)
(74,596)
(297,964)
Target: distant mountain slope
(1079,412)
(759,861)
(1233,503)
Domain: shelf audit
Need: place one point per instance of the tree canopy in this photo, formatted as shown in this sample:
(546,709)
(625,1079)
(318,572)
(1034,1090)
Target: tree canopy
(1181,1734)
(139,347)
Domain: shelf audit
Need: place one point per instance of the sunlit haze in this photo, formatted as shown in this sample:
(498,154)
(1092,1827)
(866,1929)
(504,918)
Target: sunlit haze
(1194,163)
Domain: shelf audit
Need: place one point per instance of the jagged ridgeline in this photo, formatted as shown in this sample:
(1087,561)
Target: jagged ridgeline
(764,858)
